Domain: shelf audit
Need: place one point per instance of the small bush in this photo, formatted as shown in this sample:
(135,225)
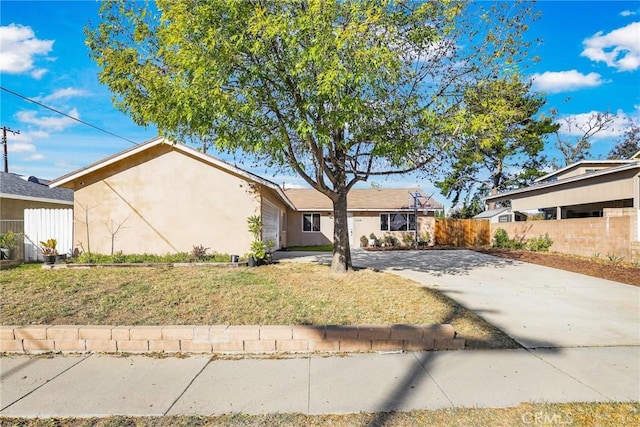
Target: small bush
(364,241)
(535,244)
(501,239)
(407,238)
(120,258)
(540,243)
(199,253)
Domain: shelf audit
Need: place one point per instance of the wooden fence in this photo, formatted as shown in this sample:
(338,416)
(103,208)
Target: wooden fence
(462,233)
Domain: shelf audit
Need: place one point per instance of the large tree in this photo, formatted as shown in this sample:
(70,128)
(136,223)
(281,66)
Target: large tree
(338,91)
(502,140)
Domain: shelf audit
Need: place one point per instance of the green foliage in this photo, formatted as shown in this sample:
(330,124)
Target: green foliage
(501,239)
(502,130)
(120,258)
(390,240)
(364,241)
(539,244)
(48,247)
(255,226)
(408,238)
(10,240)
(337,91)
(535,244)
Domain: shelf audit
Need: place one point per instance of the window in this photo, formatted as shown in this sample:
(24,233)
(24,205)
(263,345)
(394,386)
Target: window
(504,218)
(398,222)
(311,222)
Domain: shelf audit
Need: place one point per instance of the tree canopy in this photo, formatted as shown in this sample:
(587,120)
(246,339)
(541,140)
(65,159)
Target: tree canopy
(338,91)
(501,144)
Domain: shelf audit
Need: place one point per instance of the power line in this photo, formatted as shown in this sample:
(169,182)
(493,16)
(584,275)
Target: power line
(66,115)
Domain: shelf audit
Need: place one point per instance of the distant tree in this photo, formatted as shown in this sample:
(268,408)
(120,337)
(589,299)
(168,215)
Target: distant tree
(573,138)
(501,144)
(469,209)
(338,91)
(628,144)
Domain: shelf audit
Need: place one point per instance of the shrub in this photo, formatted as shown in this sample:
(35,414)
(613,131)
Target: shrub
(364,241)
(407,238)
(199,253)
(501,239)
(540,243)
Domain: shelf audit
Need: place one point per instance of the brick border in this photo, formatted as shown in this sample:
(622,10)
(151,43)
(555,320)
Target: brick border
(227,339)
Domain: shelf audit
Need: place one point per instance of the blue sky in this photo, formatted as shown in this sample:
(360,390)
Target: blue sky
(590,62)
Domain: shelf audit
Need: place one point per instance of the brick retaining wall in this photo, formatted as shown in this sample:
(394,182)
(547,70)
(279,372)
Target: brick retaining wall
(227,339)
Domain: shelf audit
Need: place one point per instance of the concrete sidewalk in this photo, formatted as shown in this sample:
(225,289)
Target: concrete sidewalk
(101,385)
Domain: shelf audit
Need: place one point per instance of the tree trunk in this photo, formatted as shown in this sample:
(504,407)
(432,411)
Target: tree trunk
(341,261)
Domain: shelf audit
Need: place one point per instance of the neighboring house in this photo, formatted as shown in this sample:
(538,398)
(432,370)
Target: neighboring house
(372,210)
(160,197)
(596,201)
(583,189)
(18,193)
(501,215)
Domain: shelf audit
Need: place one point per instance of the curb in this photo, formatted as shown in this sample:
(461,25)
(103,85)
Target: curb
(227,339)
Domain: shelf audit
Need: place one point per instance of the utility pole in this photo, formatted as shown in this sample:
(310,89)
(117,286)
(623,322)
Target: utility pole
(4,145)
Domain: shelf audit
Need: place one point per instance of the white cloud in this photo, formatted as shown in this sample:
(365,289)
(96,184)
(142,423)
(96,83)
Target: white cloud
(619,49)
(36,156)
(18,47)
(37,74)
(47,123)
(20,147)
(627,13)
(565,81)
(62,94)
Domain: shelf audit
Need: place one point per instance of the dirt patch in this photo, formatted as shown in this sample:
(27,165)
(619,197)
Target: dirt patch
(595,267)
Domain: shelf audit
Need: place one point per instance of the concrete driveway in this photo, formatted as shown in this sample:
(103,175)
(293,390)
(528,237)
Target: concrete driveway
(540,307)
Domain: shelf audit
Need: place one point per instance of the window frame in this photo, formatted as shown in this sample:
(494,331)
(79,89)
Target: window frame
(408,222)
(311,222)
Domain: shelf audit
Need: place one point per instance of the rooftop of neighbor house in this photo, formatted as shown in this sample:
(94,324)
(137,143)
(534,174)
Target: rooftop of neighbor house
(363,199)
(14,186)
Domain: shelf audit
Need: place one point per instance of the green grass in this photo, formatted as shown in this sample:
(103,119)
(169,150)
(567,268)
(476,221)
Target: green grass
(526,414)
(318,248)
(278,294)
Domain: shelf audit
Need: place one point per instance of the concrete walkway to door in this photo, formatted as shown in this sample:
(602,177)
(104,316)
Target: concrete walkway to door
(539,307)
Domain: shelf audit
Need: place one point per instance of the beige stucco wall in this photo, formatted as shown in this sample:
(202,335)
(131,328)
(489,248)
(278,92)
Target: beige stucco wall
(297,237)
(13,209)
(599,189)
(611,235)
(165,202)
(364,223)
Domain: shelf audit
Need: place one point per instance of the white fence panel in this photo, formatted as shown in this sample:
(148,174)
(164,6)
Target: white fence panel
(43,224)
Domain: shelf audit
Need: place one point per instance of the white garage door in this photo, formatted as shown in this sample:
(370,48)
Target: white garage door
(270,223)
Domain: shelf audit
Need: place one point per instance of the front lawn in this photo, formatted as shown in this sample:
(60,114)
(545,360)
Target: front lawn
(279,294)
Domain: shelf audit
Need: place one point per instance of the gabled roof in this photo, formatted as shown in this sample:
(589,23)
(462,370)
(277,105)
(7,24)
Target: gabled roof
(636,156)
(14,186)
(491,213)
(360,199)
(77,174)
(623,167)
(583,163)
